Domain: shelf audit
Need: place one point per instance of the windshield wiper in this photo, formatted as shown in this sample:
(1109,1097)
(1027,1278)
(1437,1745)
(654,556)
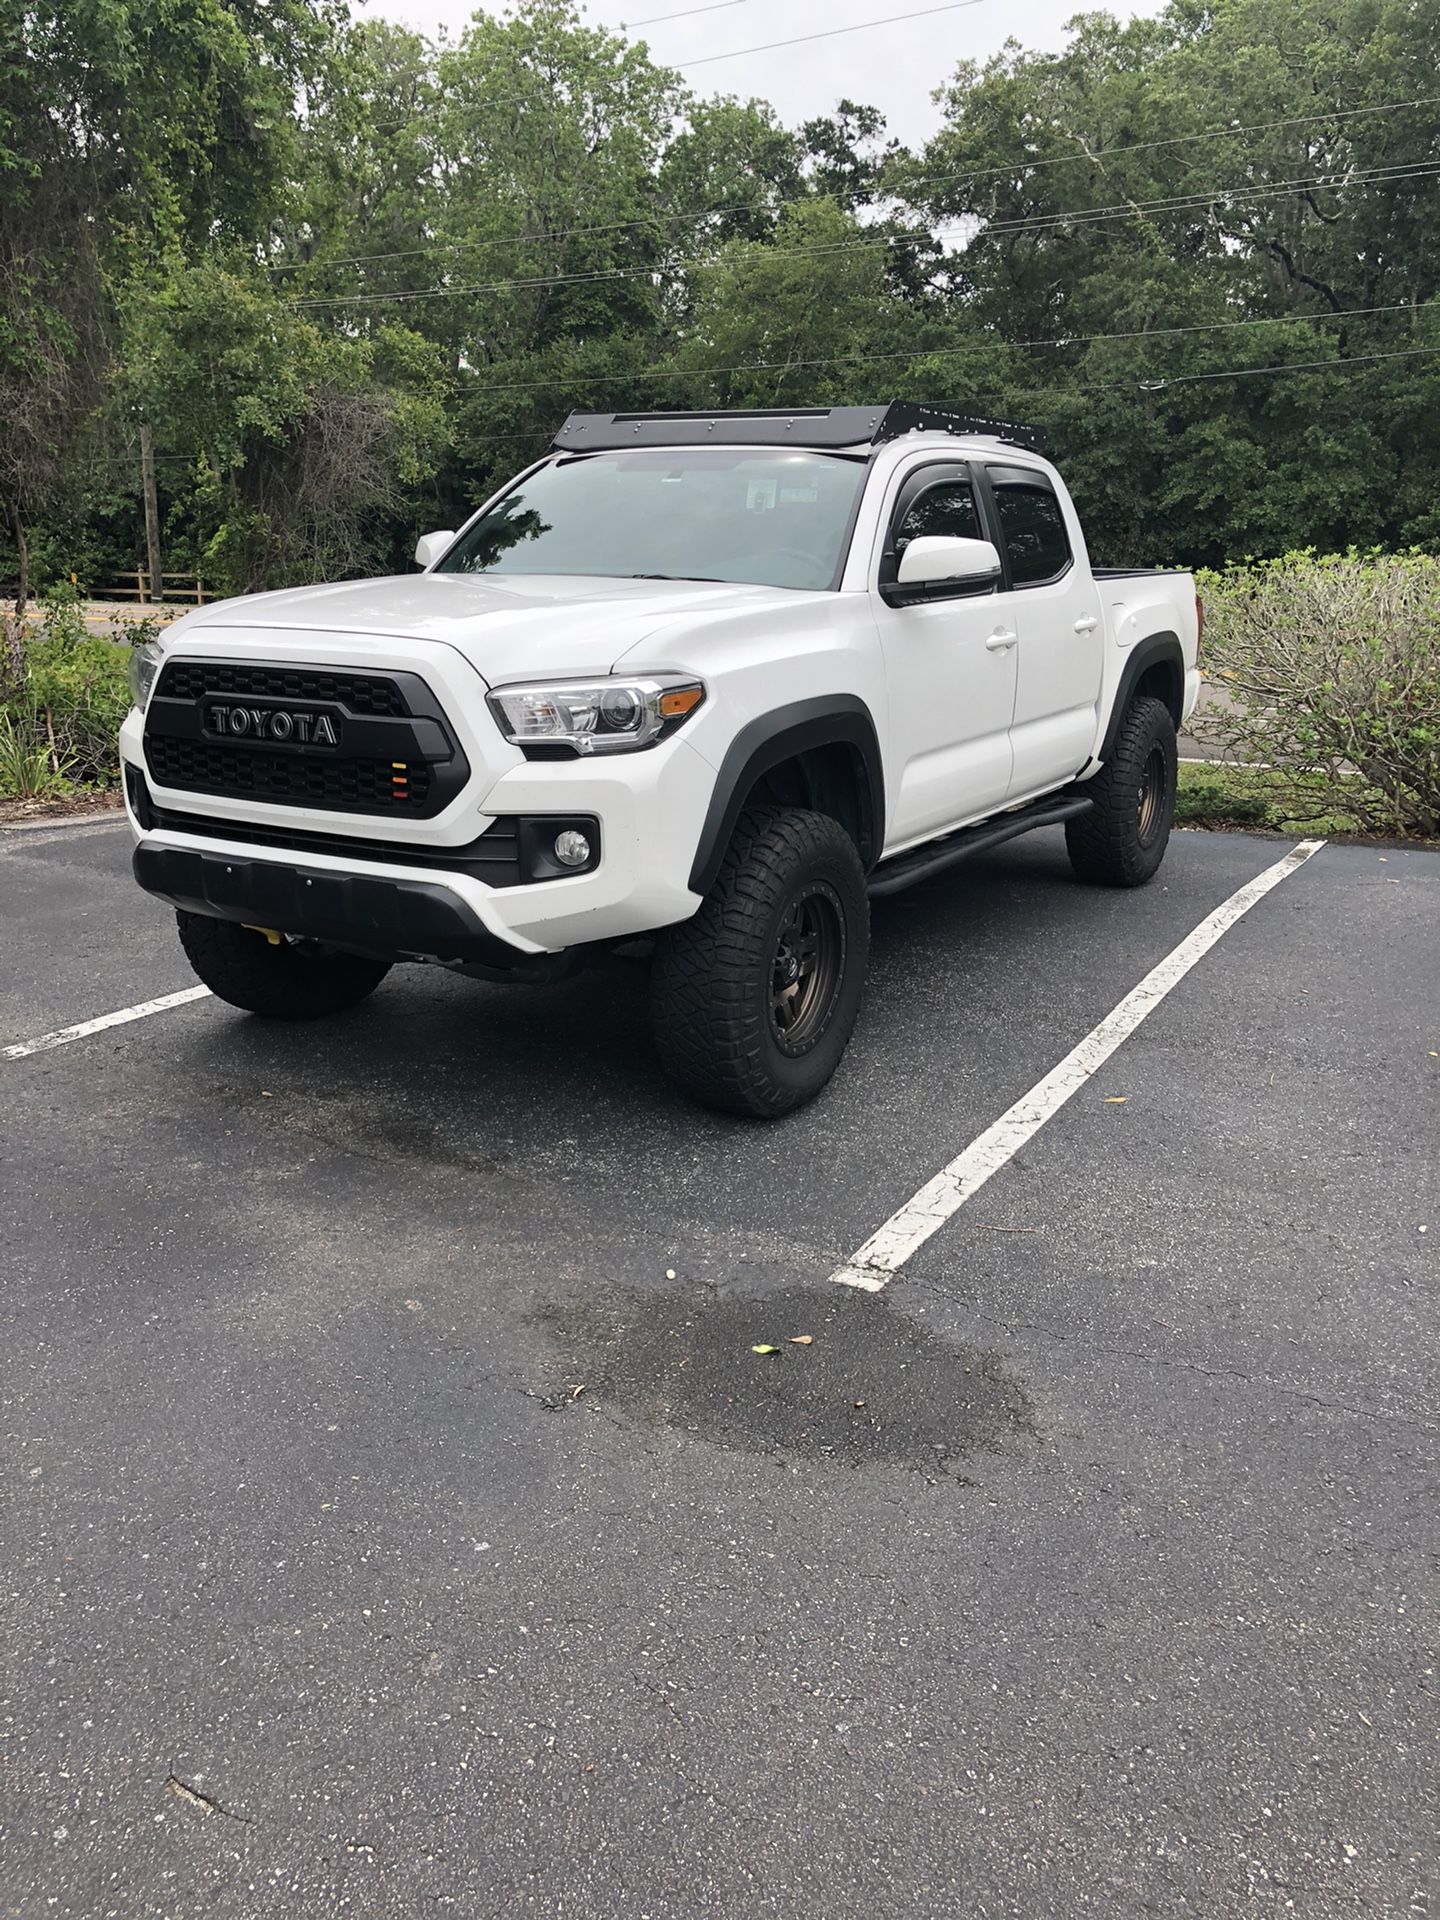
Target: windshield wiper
(706,579)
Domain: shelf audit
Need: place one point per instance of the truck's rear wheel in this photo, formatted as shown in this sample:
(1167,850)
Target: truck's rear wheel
(1121,841)
(753,1001)
(294,980)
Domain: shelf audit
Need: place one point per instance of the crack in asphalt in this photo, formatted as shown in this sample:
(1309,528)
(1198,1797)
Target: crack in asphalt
(204,1802)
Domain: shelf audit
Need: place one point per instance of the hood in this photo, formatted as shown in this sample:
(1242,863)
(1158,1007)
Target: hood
(508,627)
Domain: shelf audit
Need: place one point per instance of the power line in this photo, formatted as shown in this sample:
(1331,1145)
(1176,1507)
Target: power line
(1127,210)
(1065,341)
(760,251)
(1283,366)
(1226,373)
(1143,386)
(1048,393)
(1182,203)
(661,216)
(654,19)
(951,6)
(1121,386)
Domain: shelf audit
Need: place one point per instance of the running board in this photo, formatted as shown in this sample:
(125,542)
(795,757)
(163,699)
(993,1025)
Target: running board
(908,868)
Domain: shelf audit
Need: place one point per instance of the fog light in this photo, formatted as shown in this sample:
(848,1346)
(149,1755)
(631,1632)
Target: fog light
(572,849)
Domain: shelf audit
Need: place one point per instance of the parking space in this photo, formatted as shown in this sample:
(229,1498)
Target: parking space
(399,1518)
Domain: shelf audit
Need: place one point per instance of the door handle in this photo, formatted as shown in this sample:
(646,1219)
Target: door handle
(1087,623)
(999,640)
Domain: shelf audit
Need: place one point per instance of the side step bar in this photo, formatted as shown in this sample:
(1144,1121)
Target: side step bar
(919,864)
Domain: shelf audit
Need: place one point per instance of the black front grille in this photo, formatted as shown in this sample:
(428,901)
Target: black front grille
(322,780)
(303,737)
(361,693)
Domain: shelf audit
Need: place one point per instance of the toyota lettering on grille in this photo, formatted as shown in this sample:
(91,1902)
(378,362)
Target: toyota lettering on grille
(274,723)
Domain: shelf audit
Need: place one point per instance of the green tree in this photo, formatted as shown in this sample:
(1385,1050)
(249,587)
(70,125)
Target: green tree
(727,174)
(126,128)
(790,325)
(302,445)
(346,279)
(847,158)
(361,215)
(549,142)
(1168,178)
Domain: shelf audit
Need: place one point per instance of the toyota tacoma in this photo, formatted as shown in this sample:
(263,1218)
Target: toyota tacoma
(716,680)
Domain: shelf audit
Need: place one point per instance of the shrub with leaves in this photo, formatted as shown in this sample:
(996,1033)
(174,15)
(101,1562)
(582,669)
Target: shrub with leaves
(62,707)
(1333,666)
(30,769)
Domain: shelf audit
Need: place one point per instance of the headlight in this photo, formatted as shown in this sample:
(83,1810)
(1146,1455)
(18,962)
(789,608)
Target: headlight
(144,666)
(595,716)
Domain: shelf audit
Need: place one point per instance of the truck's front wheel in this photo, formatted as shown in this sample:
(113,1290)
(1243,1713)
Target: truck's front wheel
(1121,841)
(755,998)
(288,980)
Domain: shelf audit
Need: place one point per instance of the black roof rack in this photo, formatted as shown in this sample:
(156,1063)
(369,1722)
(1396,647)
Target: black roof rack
(827,428)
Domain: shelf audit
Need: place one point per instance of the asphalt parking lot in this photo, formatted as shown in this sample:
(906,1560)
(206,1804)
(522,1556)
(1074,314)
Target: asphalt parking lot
(396,1518)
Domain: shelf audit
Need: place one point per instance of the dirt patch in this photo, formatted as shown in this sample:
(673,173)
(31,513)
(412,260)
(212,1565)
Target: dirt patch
(864,1385)
(70,806)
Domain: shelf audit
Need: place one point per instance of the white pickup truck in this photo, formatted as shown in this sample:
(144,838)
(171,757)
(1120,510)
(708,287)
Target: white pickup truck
(719,679)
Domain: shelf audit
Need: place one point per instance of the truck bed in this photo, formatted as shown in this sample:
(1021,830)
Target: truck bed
(1133,573)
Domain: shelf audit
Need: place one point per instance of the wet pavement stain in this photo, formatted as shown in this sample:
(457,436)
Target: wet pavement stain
(873,1385)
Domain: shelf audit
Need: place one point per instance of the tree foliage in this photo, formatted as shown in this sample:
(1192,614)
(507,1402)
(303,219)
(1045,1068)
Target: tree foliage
(349,279)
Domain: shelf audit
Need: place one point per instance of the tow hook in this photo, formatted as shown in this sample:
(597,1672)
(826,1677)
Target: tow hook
(269,932)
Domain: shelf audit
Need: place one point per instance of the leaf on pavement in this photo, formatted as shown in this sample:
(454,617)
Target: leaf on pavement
(764,1348)
(801,1339)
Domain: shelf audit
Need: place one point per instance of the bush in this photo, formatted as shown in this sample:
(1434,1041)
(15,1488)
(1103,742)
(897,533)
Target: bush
(1333,667)
(29,770)
(1261,800)
(65,695)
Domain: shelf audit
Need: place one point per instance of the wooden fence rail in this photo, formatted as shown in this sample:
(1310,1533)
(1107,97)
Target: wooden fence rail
(135,585)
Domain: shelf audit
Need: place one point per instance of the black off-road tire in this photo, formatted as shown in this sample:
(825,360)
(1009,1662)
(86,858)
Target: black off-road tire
(288,982)
(720,983)
(1121,841)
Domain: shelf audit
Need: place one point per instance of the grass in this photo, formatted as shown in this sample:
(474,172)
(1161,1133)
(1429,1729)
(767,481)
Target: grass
(1260,800)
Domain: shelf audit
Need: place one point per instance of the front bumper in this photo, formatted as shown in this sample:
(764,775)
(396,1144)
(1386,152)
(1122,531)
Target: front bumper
(358,911)
(648,808)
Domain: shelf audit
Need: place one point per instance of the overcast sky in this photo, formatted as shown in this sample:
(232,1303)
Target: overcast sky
(893,68)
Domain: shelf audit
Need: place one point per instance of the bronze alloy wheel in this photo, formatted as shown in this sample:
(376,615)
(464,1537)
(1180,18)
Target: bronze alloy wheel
(754,998)
(807,968)
(1121,841)
(1153,783)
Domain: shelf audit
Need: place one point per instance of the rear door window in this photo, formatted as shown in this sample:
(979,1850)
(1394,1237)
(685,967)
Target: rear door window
(1032,527)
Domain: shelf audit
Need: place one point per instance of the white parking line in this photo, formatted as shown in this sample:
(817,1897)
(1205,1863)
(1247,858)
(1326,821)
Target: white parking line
(64,1035)
(875,1264)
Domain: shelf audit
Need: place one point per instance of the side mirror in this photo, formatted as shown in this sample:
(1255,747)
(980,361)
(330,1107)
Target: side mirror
(430,546)
(943,559)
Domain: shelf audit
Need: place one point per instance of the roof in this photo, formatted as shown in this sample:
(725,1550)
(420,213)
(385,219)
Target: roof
(827,428)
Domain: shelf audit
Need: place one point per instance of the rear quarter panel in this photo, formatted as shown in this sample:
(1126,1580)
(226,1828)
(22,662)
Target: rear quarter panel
(1137,608)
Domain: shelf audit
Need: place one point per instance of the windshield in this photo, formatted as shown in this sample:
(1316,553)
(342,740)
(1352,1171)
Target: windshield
(774,519)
